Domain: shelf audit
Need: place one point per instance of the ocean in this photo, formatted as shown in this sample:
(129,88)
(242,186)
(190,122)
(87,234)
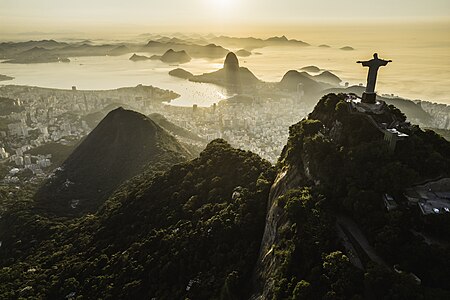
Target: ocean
(420,67)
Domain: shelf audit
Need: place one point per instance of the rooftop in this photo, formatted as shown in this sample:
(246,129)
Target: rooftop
(433,197)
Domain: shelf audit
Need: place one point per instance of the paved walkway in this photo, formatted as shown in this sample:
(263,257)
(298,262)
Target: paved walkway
(357,234)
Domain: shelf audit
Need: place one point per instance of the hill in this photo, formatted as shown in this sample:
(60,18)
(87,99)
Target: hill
(180,73)
(328,231)
(328,77)
(294,81)
(173,57)
(210,51)
(119,50)
(243,53)
(231,75)
(251,43)
(193,232)
(227,225)
(46,51)
(5,77)
(415,113)
(123,145)
(136,57)
(312,69)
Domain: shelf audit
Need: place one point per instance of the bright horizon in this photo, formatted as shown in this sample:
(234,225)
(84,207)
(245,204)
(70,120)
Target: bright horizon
(107,17)
(415,34)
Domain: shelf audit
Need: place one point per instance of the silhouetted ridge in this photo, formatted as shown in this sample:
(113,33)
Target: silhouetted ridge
(231,62)
(231,75)
(120,147)
(294,80)
(333,174)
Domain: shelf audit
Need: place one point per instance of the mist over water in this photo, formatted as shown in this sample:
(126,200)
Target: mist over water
(420,53)
(420,67)
(110,72)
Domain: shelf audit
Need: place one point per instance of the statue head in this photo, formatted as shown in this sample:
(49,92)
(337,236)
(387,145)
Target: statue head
(375,55)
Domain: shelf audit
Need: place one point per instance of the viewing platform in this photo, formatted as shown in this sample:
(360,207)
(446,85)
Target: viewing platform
(391,130)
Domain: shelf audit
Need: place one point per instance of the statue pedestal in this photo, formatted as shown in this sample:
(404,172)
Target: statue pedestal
(369,98)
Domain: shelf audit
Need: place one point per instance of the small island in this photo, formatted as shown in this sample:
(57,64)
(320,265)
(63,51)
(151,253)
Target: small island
(136,57)
(324,46)
(181,73)
(312,69)
(347,48)
(5,78)
(173,57)
(243,53)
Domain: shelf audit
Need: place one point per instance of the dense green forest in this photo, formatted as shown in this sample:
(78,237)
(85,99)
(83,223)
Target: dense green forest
(194,230)
(123,145)
(351,167)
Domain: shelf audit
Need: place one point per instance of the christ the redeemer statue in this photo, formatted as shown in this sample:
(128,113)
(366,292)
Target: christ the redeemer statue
(369,96)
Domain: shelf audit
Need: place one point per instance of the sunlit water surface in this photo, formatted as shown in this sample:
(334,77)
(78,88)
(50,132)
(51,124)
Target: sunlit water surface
(420,67)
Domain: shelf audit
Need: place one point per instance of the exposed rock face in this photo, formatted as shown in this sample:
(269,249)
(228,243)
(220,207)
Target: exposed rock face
(231,62)
(290,177)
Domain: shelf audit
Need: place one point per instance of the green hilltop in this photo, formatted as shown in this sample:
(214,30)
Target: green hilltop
(228,225)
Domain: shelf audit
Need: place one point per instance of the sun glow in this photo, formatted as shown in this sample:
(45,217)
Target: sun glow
(222,4)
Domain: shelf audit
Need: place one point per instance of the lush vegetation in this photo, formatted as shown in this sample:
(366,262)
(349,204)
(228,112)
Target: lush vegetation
(193,232)
(312,265)
(352,167)
(123,145)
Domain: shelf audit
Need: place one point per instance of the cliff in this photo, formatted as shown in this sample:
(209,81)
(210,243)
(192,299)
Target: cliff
(326,223)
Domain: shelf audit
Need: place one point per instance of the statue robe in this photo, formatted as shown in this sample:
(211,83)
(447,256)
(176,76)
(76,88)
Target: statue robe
(374,65)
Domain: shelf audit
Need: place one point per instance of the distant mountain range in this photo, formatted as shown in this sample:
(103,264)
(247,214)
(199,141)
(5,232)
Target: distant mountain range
(251,43)
(194,50)
(45,51)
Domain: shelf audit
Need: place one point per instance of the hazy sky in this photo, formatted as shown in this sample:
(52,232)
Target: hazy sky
(44,15)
